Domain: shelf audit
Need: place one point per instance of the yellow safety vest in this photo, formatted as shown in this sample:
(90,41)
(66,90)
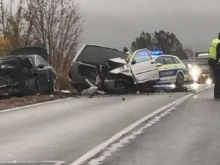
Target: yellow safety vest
(129,56)
(212,49)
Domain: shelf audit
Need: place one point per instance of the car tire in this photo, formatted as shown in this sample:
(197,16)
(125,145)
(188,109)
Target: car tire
(121,87)
(31,87)
(179,80)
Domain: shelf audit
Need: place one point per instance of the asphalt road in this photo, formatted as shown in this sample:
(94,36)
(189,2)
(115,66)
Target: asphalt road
(65,130)
(187,135)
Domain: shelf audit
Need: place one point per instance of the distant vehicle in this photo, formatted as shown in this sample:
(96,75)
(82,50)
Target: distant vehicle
(26,72)
(203,69)
(172,71)
(189,64)
(140,73)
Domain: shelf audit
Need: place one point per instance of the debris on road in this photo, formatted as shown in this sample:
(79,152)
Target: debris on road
(65,91)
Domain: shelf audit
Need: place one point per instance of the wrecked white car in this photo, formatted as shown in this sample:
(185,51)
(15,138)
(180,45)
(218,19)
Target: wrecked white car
(140,73)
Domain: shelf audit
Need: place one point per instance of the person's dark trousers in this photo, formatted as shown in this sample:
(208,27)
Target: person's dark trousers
(217,82)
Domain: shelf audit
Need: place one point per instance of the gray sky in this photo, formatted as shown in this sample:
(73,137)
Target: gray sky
(116,23)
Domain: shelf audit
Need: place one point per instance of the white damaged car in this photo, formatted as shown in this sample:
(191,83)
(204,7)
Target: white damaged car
(140,73)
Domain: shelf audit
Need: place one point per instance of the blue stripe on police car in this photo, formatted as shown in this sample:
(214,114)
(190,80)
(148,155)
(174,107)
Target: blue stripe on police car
(168,73)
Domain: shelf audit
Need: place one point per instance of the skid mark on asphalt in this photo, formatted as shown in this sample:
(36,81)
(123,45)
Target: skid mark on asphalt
(126,139)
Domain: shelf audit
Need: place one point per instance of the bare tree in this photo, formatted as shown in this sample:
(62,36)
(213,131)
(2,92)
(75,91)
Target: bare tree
(57,25)
(12,24)
(54,24)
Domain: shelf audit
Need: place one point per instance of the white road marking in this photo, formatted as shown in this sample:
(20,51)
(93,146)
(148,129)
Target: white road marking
(24,162)
(109,151)
(33,105)
(98,149)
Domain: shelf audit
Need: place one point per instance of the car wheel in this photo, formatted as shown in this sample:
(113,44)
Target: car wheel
(179,80)
(121,87)
(31,87)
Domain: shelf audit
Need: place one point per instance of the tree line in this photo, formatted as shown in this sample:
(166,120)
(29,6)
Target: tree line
(161,40)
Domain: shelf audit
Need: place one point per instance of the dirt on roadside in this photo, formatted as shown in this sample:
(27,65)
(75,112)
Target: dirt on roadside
(14,102)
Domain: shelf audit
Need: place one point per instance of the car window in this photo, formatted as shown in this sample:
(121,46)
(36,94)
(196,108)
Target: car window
(160,60)
(142,56)
(168,60)
(31,59)
(37,61)
(43,61)
(175,60)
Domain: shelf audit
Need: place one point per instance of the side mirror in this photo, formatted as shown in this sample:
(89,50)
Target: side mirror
(133,61)
(41,66)
(158,64)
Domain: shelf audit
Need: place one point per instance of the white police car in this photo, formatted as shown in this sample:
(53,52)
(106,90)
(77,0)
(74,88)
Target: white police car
(172,70)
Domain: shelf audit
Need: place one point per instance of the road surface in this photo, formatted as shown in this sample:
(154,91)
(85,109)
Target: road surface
(65,130)
(187,135)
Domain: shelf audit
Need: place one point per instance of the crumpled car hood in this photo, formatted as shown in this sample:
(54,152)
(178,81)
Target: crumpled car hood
(122,70)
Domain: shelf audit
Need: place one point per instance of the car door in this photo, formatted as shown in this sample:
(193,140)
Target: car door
(161,68)
(144,67)
(179,66)
(167,71)
(42,74)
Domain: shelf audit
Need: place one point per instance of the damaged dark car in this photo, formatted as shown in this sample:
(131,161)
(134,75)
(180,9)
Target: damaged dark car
(92,63)
(26,71)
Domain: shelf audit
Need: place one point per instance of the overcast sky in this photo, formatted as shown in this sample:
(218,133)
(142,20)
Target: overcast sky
(116,23)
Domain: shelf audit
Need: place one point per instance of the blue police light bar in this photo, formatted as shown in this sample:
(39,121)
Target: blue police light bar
(156,53)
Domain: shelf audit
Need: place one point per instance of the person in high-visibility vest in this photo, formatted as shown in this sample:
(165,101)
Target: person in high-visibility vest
(214,62)
(129,55)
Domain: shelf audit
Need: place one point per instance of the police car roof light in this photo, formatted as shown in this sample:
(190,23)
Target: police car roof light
(158,52)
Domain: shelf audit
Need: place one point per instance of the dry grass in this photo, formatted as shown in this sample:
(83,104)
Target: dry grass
(28,100)
(63,82)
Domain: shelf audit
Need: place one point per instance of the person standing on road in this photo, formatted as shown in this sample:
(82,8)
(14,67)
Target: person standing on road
(214,62)
(129,55)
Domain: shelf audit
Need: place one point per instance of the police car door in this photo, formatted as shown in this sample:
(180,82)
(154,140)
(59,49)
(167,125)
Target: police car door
(167,71)
(161,69)
(144,67)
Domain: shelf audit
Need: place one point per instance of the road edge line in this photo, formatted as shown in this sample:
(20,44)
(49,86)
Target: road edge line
(46,161)
(98,149)
(33,105)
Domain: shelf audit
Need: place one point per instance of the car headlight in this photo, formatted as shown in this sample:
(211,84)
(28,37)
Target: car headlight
(6,67)
(195,72)
(189,65)
(209,81)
